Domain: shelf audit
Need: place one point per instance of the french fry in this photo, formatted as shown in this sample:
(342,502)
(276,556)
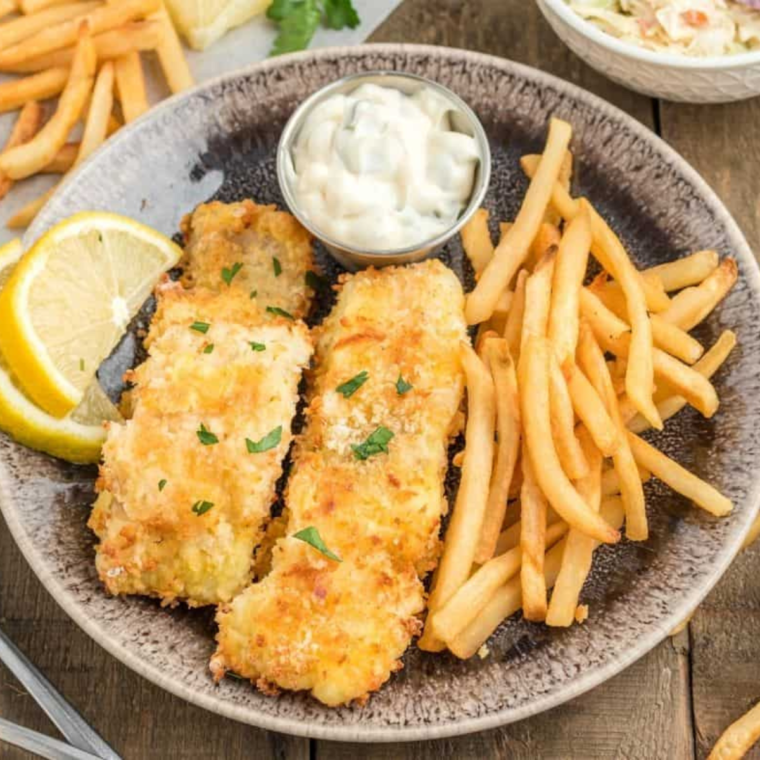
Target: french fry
(738,738)
(533,509)
(690,270)
(470,599)
(40,86)
(754,532)
(707,366)
(35,6)
(99,115)
(499,362)
(25,215)
(591,361)
(538,298)
(679,478)
(602,318)
(547,239)
(7,7)
(25,160)
(591,410)
(63,160)
(513,326)
(513,248)
(25,128)
(136,36)
(692,305)
(508,598)
(657,299)
(611,481)
(64,34)
(130,83)
(569,272)
(509,537)
(534,398)
(579,548)
(170,54)
(476,240)
(563,424)
(675,341)
(464,529)
(24,27)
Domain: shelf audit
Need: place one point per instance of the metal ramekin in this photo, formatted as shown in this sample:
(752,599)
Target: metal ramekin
(465,121)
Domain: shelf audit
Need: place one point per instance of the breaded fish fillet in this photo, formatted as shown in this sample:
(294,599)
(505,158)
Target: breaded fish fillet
(182,498)
(335,628)
(258,250)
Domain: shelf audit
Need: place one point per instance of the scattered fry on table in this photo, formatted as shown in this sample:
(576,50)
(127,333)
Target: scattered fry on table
(24,129)
(130,84)
(738,738)
(170,54)
(46,84)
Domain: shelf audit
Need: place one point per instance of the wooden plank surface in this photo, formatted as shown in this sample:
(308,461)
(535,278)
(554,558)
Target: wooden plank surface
(646,712)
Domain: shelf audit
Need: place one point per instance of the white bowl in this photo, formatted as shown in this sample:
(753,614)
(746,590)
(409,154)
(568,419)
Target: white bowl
(717,79)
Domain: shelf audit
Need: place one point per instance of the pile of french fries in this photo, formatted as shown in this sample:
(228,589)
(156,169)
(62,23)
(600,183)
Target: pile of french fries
(87,53)
(564,376)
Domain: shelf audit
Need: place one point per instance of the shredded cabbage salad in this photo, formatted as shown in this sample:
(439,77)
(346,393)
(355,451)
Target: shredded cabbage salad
(690,27)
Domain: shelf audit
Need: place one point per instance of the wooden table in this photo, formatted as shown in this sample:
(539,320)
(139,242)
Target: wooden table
(671,704)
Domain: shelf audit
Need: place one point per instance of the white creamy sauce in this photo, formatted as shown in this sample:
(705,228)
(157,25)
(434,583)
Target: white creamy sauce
(378,169)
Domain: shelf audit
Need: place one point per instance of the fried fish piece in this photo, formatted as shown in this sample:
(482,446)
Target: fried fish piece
(252,248)
(387,360)
(187,483)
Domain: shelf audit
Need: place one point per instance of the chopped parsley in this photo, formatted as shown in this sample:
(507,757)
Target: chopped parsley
(402,386)
(299,19)
(258,346)
(201,327)
(280,312)
(311,536)
(314,281)
(81,365)
(209,349)
(205,436)
(376,443)
(269,441)
(201,507)
(228,275)
(276,266)
(350,387)
(162,484)
(254,293)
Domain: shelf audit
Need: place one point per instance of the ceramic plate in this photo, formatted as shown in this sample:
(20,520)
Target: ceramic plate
(219,141)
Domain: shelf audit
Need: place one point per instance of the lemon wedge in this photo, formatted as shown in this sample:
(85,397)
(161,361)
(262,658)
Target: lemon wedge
(70,298)
(202,22)
(78,437)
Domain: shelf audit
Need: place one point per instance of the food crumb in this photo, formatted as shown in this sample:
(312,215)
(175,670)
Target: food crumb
(483,652)
(457,459)
(581,613)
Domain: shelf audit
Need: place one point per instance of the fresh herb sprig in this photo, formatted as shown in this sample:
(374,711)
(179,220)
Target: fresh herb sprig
(311,536)
(298,20)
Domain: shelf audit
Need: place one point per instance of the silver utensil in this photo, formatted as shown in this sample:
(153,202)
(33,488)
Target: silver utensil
(82,737)
(44,746)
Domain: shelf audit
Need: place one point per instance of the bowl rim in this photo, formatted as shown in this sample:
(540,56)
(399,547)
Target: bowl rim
(295,123)
(584,682)
(633,51)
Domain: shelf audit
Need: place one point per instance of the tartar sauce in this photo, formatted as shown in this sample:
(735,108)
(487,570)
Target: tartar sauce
(377,169)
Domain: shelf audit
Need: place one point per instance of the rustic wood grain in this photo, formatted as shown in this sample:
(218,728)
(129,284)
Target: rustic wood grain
(721,142)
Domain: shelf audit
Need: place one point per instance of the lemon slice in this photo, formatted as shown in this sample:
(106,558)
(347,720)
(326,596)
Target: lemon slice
(70,299)
(202,22)
(77,437)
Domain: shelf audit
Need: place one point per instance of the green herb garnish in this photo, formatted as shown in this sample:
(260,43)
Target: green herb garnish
(228,275)
(254,293)
(201,507)
(258,346)
(209,349)
(376,443)
(299,19)
(280,312)
(350,387)
(311,536)
(269,441)
(201,327)
(81,365)
(276,266)
(162,484)
(402,386)
(205,436)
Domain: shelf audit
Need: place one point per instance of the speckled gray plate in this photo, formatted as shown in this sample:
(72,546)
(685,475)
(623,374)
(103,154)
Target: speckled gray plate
(219,141)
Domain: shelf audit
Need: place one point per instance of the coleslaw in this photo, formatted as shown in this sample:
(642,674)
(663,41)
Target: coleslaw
(699,28)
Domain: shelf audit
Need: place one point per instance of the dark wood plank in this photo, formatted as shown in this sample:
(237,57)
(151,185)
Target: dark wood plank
(721,143)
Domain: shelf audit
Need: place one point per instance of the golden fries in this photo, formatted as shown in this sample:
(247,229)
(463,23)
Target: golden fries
(514,246)
(99,114)
(26,127)
(534,397)
(476,240)
(130,83)
(603,319)
(40,86)
(34,6)
(675,341)
(682,273)
(23,27)
(513,325)
(533,507)
(498,360)
(538,297)
(24,160)
(678,478)
(170,55)
(63,160)
(611,481)
(464,529)
(738,738)
(563,424)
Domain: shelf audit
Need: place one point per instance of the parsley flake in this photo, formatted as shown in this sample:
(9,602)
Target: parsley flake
(254,293)
(209,349)
(258,346)
(376,443)
(280,312)
(350,387)
(314,281)
(205,436)
(228,275)
(402,386)
(311,536)
(201,507)
(276,266)
(162,484)
(201,327)
(269,441)
(81,365)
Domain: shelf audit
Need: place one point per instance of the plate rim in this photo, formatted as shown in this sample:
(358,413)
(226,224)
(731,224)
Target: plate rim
(390,733)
